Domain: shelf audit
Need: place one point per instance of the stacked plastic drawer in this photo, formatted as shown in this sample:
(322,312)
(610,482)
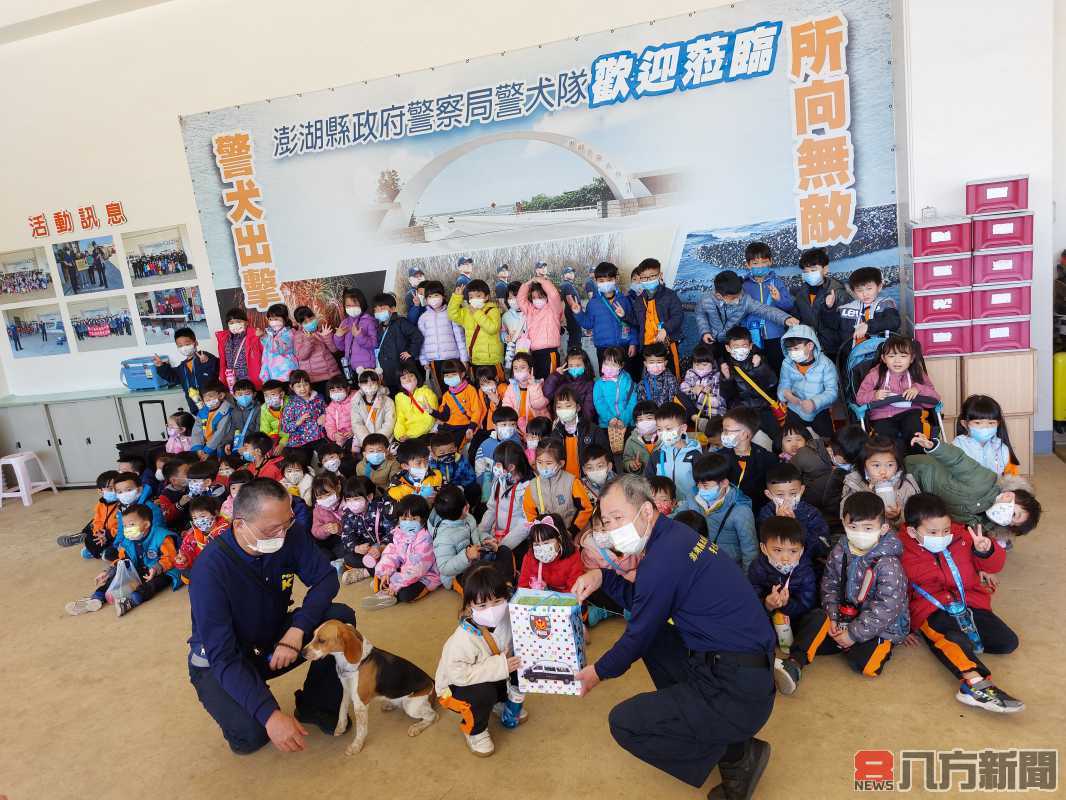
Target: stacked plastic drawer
(971,280)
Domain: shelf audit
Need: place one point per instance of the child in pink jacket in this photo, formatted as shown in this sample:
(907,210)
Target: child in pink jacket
(524,394)
(407,570)
(326,516)
(900,373)
(542,308)
(338,417)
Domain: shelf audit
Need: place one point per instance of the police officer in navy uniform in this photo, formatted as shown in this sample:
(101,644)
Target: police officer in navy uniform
(243,633)
(705,638)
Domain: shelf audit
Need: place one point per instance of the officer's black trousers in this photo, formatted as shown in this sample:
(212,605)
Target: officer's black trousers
(700,713)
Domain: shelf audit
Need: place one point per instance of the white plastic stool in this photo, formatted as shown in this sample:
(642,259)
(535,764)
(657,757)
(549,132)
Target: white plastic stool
(20,465)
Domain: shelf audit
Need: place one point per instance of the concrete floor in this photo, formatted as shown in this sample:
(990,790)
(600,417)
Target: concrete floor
(100,707)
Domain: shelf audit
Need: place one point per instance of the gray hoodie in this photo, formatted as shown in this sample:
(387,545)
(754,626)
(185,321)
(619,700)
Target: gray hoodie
(450,540)
(884,612)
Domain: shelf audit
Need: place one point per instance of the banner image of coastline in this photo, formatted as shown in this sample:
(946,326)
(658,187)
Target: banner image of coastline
(769,118)
(706,253)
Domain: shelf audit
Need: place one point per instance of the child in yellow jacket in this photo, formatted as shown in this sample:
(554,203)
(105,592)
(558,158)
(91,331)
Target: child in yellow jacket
(414,405)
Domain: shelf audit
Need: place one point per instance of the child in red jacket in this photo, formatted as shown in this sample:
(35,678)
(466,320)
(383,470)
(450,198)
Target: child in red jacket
(553,561)
(949,605)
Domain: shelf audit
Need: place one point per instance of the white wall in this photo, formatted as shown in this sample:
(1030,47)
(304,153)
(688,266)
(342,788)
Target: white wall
(1059,111)
(979,104)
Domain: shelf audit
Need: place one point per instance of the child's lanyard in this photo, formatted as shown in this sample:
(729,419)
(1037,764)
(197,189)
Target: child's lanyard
(743,468)
(377,527)
(647,388)
(458,402)
(614,314)
(244,430)
(521,393)
(662,463)
(958,584)
(414,402)
(540,498)
(483,632)
(510,509)
(192,372)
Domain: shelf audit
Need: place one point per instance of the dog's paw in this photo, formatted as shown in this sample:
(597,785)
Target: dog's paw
(353,748)
(342,726)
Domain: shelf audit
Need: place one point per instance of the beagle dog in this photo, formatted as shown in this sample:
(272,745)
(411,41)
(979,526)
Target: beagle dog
(367,673)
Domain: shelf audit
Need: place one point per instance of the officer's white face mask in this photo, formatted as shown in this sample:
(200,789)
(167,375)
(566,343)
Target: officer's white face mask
(627,540)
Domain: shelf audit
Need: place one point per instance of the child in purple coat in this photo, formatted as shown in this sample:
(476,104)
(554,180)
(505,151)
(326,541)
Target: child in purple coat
(357,335)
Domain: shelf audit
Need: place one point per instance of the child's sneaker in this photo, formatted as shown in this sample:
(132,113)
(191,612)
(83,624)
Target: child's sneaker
(87,554)
(378,601)
(511,714)
(70,539)
(84,606)
(597,615)
(985,694)
(480,744)
(787,675)
(124,606)
(338,564)
(354,576)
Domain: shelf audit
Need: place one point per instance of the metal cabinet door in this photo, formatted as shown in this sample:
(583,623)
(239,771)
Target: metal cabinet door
(87,432)
(155,415)
(25,428)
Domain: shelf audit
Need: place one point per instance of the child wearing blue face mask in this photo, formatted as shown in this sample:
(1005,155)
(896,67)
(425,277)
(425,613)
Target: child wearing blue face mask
(553,490)
(407,570)
(950,605)
(816,297)
(727,305)
(99,532)
(657,315)
(809,381)
(606,314)
(415,475)
(674,452)
(763,286)
(399,340)
(730,522)
(981,433)
(783,576)
(577,375)
(246,413)
(376,464)
(461,404)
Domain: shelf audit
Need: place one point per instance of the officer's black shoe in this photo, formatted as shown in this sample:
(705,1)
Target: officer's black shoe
(739,778)
(326,721)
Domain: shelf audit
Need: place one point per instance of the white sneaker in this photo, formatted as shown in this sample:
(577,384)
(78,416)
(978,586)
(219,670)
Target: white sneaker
(378,601)
(83,606)
(354,576)
(480,744)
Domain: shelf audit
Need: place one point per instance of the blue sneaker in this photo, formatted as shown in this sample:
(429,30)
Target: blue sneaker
(597,615)
(86,554)
(511,714)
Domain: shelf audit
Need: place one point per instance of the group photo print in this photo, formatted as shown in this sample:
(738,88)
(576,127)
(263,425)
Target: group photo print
(86,266)
(25,276)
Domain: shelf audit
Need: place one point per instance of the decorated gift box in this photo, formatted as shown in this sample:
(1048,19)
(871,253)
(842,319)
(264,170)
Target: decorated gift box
(550,639)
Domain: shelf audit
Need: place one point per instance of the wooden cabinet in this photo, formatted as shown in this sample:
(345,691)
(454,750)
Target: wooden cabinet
(1020,431)
(1008,377)
(945,375)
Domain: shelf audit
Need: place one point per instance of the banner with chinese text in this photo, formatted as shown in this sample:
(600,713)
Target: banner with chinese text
(684,139)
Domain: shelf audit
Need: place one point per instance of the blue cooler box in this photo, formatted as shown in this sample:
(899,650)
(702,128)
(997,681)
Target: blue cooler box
(140,373)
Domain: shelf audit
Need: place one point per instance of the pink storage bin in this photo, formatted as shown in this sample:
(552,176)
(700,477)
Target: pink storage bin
(944,339)
(942,272)
(990,335)
(1010,229)
(943,236)
(989,195)
(1001,300)
(943,305)
(1004,265)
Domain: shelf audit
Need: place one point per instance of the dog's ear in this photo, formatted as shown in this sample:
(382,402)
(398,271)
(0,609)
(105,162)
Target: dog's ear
(353,644)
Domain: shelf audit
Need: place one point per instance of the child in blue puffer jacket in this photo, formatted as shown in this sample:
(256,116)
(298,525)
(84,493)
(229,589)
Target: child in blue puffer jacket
(151,550)
(809,382)
(765,288)
(730,523)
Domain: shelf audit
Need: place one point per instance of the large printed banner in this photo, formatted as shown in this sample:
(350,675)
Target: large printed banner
(684,140)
